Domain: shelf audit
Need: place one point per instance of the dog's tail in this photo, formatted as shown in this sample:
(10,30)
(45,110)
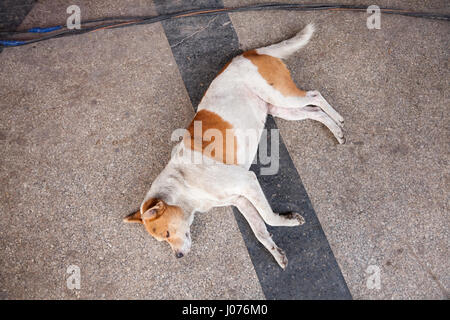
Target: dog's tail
(285,48)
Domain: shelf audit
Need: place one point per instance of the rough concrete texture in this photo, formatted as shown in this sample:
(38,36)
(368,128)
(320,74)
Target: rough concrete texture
(382,198)
(85,127)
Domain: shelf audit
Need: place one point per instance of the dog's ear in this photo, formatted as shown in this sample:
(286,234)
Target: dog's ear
(133,218)
(154,212)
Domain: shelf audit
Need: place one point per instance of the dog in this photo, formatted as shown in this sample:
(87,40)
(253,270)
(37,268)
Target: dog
(249,87)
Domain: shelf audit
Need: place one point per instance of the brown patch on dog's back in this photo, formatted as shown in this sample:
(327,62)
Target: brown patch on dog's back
(275,72)
(210,120)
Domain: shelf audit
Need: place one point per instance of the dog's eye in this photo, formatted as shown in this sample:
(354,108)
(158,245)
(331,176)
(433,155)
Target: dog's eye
(167,234)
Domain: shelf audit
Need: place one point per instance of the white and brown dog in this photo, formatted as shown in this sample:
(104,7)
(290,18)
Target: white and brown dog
(249,87)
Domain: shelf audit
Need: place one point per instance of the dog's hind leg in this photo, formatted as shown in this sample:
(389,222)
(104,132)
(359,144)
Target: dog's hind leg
(259,229)
(281,91)
(309,112)
(270,79)
(320,101)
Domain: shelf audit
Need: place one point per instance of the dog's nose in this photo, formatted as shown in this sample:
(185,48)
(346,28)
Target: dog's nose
(179,255)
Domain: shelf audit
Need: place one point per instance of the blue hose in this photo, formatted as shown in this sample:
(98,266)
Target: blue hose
(11,43)
(44,30)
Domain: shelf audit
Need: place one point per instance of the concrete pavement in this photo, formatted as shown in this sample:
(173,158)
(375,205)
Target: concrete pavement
(85,126)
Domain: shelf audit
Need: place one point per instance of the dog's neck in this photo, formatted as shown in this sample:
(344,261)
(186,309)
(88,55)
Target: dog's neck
(169,188)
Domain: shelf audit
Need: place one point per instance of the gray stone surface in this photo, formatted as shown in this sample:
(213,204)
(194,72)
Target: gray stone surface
(382,198)
(85,126)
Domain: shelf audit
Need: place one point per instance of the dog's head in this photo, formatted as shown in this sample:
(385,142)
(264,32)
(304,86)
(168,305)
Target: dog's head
(165,223)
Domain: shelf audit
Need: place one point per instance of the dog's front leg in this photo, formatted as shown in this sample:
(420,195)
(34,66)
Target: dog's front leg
(259,229)
(253,192)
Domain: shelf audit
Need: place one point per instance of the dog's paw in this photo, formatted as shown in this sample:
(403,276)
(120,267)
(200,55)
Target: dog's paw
(299,218)
(294,219)
(281,258)
(340,138)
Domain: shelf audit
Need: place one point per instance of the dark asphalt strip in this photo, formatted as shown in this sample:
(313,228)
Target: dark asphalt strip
(201,47)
